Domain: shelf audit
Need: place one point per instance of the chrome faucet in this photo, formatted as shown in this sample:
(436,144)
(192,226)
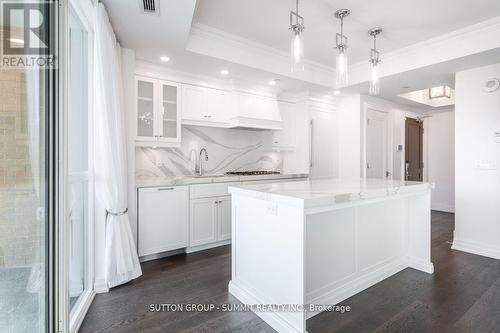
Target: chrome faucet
(199,168)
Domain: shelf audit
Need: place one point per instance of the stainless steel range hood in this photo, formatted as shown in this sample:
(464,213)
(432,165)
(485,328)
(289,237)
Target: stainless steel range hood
(255,112)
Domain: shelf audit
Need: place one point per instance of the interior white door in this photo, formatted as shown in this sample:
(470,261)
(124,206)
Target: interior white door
(324,144)
(377,165)
(224,218)
(203,221)
(163,219)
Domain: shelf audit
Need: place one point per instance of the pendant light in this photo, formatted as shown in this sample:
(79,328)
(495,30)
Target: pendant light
(374,61)
(439,92)
(342,77)
(297,43)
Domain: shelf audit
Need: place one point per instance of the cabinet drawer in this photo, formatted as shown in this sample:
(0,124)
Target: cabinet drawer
(209,190)
(163,214)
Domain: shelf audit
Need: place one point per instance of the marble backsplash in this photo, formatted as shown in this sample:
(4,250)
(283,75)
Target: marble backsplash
(228,150)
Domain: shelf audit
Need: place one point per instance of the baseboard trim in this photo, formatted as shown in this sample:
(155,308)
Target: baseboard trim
(273,319)
(476,248)
(420,265)
(207,246)
(351,288)
(440,207)
(82,309)
(100,286)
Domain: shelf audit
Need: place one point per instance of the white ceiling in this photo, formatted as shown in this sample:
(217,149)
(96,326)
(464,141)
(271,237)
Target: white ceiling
(426,77)
(151,33)
(266,22)
(405,22)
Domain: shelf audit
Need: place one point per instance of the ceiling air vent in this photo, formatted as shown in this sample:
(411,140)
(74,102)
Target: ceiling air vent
(150,6)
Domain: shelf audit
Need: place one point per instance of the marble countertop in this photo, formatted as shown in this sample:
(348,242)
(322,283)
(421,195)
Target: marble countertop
(213,179)
(327,191)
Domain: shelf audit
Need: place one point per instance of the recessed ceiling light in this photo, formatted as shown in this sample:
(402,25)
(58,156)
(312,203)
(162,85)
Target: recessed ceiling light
(336,92)
(165,59)
(274,82)
(224,72)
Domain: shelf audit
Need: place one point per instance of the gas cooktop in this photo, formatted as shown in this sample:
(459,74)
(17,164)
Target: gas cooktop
(252,173)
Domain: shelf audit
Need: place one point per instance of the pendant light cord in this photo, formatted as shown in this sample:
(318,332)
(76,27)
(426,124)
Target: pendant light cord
(342,26)
(297,12)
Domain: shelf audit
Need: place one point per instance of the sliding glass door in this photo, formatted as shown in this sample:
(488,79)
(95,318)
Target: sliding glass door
(80,195)
(24,227)
(28,169)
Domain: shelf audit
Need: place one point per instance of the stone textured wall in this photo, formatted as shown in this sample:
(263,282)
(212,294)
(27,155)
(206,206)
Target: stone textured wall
(228,150)
(19,229)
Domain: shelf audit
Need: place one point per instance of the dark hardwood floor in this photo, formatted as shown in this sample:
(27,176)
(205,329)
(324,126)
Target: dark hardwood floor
(463,295)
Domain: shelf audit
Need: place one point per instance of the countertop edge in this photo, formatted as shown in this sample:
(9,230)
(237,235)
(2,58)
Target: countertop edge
(215,180)
(330,199)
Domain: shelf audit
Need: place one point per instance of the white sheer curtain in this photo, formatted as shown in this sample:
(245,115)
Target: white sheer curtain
(121,261)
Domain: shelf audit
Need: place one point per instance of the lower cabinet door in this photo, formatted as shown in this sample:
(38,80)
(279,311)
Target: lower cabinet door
(224,218)
(203,221)
(162,219)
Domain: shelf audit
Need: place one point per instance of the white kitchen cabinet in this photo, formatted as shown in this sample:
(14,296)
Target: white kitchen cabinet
(324,149)
(203,224)
(210,220)
(285,139)
(158,112)
(225,218)
(255,111)
(205,106)
(163,219)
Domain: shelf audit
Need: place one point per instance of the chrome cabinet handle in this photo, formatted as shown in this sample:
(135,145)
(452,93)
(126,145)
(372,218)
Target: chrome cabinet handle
(166,189)
(311,145)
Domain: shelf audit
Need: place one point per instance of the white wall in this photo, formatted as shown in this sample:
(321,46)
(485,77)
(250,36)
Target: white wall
(477,190)
(441,159)
(350,137)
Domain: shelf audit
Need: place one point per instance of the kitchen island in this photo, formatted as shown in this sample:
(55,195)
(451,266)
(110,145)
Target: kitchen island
(299,246)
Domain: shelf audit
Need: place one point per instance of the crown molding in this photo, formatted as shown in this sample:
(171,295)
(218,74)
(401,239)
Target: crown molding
(320,100)
(473,39)
(157,71)
(216,43)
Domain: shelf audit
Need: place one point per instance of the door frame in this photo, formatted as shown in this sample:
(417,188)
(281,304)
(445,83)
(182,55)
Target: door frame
(390,134)
(85,12)
(425,143)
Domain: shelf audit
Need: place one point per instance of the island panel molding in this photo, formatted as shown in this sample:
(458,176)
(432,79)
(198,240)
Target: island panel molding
(324,241)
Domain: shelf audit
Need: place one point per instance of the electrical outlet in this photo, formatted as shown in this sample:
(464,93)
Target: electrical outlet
(497,137)
(486,165)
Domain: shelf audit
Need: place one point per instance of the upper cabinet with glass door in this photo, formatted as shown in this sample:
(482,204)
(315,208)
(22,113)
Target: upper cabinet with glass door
(158,121)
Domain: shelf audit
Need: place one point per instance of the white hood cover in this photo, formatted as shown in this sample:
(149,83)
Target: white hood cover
(255,112)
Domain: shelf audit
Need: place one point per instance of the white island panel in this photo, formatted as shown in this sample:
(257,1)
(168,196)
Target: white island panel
(321,241)
(268,238)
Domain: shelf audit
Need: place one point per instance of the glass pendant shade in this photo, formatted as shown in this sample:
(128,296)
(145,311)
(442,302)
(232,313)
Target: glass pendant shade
(342,76)
(374,80)
(297,52)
